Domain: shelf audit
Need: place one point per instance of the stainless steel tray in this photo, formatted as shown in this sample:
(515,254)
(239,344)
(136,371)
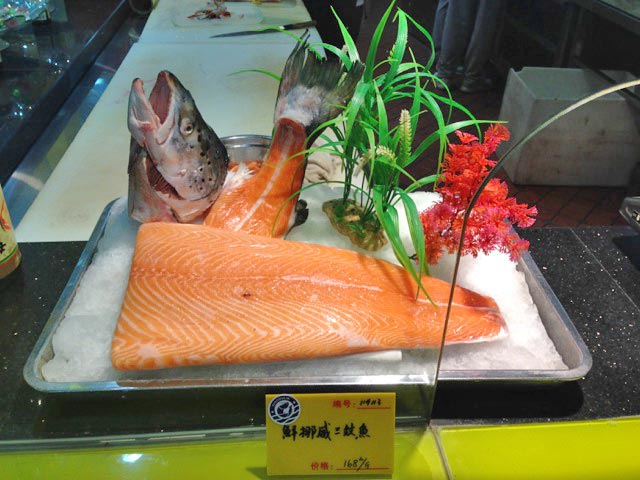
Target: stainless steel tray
(562,332)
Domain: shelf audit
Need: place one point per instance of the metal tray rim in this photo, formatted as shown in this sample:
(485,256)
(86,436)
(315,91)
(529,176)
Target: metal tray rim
(31,376)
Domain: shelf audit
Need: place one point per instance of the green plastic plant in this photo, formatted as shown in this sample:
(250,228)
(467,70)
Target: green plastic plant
(367,140)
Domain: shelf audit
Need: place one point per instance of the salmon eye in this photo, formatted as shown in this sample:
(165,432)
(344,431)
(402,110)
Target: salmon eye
(186,127)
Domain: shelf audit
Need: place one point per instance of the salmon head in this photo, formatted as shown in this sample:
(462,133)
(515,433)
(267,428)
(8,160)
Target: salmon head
(186,162)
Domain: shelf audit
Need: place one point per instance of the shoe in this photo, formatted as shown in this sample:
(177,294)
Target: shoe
(449,80)
(476,85)
(444,80)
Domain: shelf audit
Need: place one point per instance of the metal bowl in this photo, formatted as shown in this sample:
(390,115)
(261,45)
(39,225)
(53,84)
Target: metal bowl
(241,148)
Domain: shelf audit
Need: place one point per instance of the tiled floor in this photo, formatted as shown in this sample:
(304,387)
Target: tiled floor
(557,206)
(572,206)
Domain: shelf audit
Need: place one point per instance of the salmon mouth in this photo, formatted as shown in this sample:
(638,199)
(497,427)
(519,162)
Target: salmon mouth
(162,95)
(152,120)
(161,100)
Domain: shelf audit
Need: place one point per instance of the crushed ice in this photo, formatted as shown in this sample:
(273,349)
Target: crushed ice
(82,341)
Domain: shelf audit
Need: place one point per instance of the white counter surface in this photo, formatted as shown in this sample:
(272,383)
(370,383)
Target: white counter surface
(169,22)
(93,171)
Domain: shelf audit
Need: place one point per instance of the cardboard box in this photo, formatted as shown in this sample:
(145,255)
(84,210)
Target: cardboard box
(596,145)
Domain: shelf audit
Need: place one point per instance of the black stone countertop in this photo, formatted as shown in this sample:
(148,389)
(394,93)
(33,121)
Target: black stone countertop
(593,271)
(42,65)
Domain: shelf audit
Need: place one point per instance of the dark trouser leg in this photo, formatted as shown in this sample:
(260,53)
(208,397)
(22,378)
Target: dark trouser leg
(455,36)
(481,42)
(438,26)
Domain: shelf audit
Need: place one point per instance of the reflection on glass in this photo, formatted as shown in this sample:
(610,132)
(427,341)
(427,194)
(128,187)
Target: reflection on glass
(16,13)
(131,457)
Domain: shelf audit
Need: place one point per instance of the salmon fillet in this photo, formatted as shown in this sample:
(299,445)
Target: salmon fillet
(199,295)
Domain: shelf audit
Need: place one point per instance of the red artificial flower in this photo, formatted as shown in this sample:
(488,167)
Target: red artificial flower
(465,167)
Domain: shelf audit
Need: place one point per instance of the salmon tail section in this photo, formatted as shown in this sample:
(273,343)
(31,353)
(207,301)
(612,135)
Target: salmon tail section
(263,204)
(312,90)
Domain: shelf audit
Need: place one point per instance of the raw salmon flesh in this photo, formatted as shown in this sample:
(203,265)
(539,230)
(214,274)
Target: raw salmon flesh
(199,295)
(263,203)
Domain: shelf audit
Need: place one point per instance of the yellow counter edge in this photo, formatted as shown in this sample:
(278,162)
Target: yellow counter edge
(416,457)
(587,449)
(598,449)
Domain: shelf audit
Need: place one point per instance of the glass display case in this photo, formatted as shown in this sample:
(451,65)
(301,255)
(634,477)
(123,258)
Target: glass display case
(199,420)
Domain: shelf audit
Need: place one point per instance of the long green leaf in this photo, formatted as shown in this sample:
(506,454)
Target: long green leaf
(421,182)
(388,218)
(424,32)
(383,122)
(338,52)
(459,106)
(348,40)
(356,103)
(414,111)
(389,168)
(297,38)
(448,129)
(437,115)
(415,230)
(398,49)
(255,70)
(408,70)
(375,42)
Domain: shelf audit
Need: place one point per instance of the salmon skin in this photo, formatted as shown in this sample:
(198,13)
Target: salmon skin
(311,92)
(177,163)
(199,295)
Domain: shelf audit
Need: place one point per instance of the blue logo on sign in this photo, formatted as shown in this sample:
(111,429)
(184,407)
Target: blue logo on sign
(284,409)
